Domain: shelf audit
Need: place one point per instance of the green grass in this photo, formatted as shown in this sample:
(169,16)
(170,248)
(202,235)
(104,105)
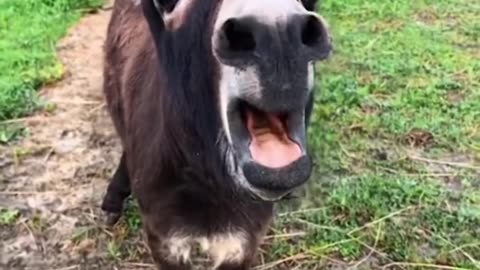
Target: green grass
(398,100)
(8,217)
(29,30)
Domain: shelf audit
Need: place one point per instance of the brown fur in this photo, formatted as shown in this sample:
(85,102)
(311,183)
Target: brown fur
(160,86)
(132,79)
(128,44)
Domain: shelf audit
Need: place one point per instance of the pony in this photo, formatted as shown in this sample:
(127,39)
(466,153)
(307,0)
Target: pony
(211,100)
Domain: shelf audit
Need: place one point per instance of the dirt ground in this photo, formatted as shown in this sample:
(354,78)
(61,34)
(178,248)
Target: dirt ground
(57,175)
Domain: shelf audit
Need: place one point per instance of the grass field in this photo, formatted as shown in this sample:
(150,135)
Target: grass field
(396,134)
(397,140)
(29,30)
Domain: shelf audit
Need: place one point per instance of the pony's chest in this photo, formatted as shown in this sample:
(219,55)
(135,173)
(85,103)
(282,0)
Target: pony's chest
(213,250)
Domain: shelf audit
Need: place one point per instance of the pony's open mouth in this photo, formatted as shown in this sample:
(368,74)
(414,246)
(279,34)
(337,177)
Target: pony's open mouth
(270,144)
(270,147)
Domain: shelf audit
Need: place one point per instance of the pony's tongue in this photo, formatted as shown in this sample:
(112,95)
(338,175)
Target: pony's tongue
(270,145)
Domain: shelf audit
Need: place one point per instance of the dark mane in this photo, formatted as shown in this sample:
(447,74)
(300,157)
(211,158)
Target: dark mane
(181,152)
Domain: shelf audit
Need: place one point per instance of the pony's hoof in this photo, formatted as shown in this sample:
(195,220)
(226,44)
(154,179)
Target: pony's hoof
(111,219)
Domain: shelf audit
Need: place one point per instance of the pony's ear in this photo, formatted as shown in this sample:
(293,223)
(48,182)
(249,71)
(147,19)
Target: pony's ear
(164,5)
(156,4)
(310,5)
(154,11)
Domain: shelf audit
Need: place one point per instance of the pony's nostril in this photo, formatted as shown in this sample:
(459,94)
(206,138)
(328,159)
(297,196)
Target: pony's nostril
(312,31)
(238,35)
(235,42)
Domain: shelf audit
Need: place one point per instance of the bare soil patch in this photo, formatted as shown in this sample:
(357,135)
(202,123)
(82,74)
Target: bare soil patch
(57,175)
